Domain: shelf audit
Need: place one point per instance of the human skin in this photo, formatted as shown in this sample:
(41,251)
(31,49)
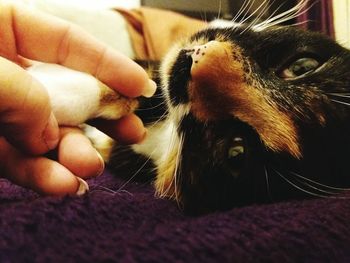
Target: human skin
(28,129)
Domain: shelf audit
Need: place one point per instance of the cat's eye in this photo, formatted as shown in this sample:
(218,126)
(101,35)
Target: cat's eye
(299,68)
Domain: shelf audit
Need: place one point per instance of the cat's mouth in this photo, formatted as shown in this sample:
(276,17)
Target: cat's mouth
(217,164)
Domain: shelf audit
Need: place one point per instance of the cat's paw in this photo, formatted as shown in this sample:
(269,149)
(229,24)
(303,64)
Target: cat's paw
(77,97)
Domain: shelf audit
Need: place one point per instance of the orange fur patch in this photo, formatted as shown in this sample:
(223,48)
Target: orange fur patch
(218,90)
(113,105)
(165,184)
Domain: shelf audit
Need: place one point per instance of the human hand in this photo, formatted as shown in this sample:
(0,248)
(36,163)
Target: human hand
(27,125)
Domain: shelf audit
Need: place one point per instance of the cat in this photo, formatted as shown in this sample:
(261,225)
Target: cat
(248,114)
(244,114)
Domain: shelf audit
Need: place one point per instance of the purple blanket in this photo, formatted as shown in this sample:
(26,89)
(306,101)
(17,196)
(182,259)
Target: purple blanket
(118,222)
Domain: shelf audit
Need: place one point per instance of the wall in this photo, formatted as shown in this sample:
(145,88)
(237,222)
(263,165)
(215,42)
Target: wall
(342,21)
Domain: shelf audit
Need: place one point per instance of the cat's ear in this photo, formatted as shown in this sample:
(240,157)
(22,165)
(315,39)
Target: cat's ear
(77,97)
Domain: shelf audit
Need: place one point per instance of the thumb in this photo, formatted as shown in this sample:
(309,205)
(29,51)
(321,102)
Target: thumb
(26,119)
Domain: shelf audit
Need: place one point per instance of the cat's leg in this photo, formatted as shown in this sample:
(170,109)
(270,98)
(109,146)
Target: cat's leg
(77,97)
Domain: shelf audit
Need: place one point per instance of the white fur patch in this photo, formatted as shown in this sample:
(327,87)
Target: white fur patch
(74,96)
(179,112)
(77,97)
(158,141)
(220,23)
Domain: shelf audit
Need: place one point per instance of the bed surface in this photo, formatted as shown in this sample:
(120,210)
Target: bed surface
(123,222)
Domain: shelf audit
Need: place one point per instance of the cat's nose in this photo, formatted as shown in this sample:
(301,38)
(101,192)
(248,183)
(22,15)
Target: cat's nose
(198,52)
(207,55)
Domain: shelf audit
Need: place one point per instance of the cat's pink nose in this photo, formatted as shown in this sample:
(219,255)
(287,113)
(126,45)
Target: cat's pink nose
(200,51)
(207,56)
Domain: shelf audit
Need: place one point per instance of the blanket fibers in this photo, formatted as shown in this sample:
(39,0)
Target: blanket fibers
(123,222)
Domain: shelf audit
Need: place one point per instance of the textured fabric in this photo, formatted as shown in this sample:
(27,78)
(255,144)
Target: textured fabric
(153,31)
(118,222)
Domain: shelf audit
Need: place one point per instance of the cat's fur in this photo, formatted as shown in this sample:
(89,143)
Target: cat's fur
(77,97)
(246,114)
(241,127)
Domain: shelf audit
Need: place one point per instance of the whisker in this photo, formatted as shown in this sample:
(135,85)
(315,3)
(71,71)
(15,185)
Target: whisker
(340,102)
(267,183)
(240,11)
(174,179)
(265,6)
(171,144)
(158,96)
(271,15)
(342,95)
(252,13)
(328,193)
(204,16)
(300,23)
(319,184)
(307,191)
(261,14)
(178,164)
(137,172)
(159,119)
(220,10)
(101,188)
(294,12)
(247,15)
(153,107)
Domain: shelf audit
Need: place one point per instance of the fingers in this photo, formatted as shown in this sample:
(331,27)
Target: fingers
(127,130)
(25,112)
(77,154)
(76,159)
(45,38)
(38,173)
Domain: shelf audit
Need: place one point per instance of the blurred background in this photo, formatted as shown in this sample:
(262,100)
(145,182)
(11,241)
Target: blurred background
(328,16)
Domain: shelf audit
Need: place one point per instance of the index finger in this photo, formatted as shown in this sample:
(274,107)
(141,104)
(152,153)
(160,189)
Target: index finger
(49,39)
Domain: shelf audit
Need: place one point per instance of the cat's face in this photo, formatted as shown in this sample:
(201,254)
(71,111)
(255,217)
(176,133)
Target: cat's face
(259,116)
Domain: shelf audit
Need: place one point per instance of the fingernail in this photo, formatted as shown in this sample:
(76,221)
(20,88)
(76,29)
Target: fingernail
(102,165)
(150,89)
(83,187)
(51,133)
(143,137)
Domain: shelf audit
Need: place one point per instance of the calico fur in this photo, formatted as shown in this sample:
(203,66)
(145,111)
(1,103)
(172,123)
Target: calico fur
(77,97)
(239,130)
(244,113)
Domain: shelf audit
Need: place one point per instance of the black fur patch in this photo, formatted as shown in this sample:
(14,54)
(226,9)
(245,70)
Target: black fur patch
(127,164)
(179,77)
(316,103)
